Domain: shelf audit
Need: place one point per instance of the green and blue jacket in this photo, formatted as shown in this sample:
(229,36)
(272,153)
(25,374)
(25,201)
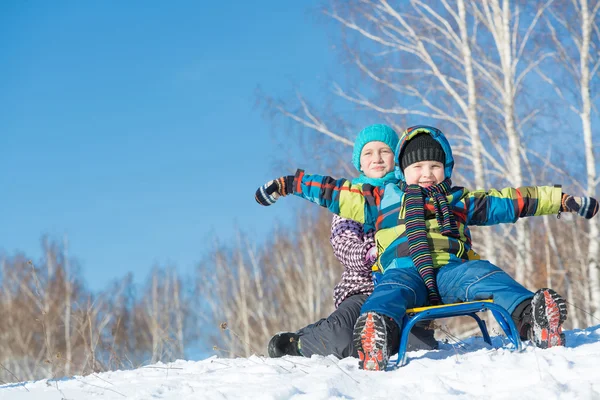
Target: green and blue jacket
(382,207)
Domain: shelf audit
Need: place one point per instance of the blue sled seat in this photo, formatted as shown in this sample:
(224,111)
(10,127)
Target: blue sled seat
(470,309)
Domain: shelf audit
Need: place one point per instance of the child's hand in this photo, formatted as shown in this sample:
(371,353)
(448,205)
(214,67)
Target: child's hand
(268,193)
(587,207)
(371,255)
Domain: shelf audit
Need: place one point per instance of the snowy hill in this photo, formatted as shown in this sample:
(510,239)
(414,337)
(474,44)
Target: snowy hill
(473,371)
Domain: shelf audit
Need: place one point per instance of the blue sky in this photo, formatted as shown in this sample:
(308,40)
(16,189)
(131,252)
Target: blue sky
(131,127)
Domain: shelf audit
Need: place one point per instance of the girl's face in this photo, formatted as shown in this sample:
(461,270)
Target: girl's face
(376,159)
(424,173)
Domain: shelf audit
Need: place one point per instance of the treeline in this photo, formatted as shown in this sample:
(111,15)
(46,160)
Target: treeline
(53,325)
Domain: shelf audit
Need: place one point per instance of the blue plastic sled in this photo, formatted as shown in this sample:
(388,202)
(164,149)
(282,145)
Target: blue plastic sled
(470,309)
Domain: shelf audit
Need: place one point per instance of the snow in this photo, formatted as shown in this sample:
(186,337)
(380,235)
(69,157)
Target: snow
(472,370)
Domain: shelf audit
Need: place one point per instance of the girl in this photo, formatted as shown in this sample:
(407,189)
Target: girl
(354,246)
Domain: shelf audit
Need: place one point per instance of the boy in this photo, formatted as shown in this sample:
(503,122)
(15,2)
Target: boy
(424,243)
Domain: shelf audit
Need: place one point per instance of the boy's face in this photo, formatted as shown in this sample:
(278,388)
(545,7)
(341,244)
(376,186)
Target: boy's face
(424,173)
(376,159)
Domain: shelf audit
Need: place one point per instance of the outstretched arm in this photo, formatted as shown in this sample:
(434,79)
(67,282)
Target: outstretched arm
(507,205)
(357,202)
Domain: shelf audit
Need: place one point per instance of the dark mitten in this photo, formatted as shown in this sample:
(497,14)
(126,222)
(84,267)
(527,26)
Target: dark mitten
(587,207)
(268,193)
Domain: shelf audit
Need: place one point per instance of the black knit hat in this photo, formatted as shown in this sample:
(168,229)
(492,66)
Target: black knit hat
(421,148)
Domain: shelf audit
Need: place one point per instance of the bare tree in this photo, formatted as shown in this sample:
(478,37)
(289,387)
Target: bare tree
(53,326)
(68,310)
(160,316)
(444,61)
(506,73)
(431,60)
(284,285)
(573,30)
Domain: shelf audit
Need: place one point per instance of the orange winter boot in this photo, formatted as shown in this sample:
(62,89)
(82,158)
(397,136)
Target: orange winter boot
(548,313)
(370,339)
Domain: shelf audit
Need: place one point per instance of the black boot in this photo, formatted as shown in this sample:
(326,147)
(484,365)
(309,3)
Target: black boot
(284,344)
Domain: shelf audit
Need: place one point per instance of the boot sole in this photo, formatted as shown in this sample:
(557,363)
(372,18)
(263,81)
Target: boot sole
(549,313)
(370,341)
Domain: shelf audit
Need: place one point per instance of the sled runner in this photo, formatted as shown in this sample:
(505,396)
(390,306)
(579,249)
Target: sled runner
(470,309)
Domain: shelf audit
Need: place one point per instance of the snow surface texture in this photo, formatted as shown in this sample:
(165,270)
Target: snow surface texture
(470,371)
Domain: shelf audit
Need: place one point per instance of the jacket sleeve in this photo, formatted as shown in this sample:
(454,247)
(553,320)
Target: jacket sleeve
(356,202)
(493,206)
(351,244)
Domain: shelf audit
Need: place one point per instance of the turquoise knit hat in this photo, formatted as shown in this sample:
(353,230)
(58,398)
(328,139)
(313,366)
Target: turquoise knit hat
(377,132)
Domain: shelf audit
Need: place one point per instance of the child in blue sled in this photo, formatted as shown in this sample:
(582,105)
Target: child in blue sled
(354,247)
(424,243)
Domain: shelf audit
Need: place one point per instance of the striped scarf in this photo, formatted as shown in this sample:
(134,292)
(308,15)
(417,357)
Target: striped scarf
(417,233)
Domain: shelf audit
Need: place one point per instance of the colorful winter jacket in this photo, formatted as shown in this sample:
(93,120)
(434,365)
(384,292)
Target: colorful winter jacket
(350,245)
(382,207)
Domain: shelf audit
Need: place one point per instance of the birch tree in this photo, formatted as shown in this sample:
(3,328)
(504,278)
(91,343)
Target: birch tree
(162,316)
(506,78)
(442,53)
(431,61)
(573,29)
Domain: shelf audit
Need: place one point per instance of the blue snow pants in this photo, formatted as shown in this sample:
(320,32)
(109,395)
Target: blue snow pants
(403,288)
